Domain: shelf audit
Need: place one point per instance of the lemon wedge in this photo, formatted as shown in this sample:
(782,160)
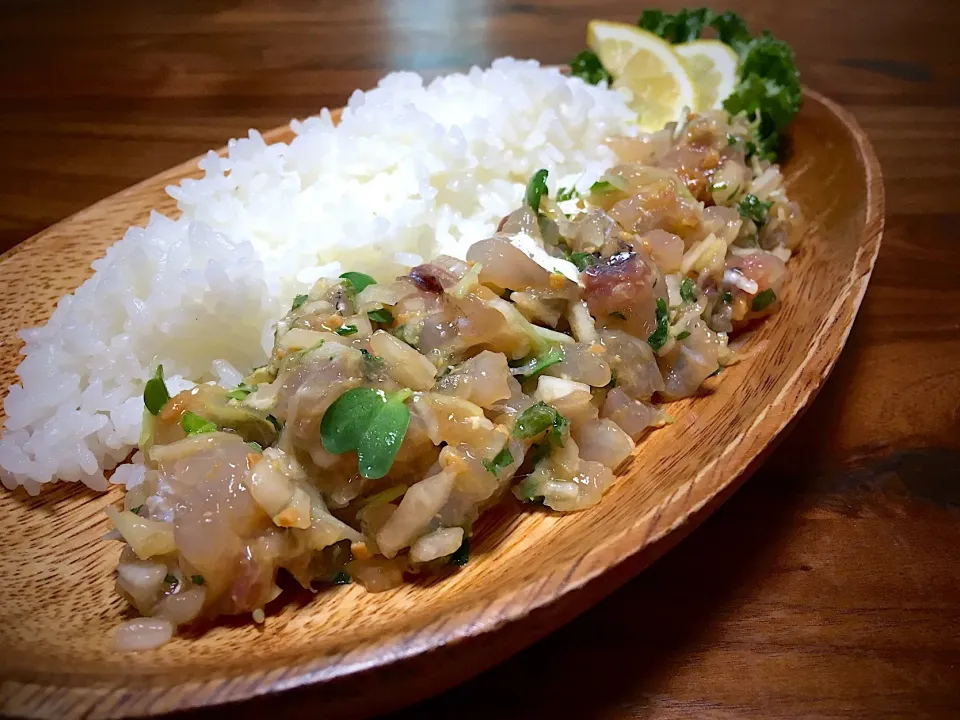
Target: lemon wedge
(712,65)
(647,66)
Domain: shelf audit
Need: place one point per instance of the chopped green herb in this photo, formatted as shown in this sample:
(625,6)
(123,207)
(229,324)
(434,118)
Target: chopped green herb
(543,362)
(136,510)
(583,260)
(536,189)
(539,418)
(602,186)
(732,139)
(256,447)
(688,290)
(155,393)
(658,337)
(564,194)
(502,459)
(461,555)
(241,391)
(370,422)
(341,578)
(716,372)
(619,315)
(613,380)
(382,315)
(587,66)
(298,302)
(763,299)
(274,422)
(727,297)
(346,330)
(538,452)
(196,579)
(194,424)
(358,280)
(171,580)
(683,335)
(754,209)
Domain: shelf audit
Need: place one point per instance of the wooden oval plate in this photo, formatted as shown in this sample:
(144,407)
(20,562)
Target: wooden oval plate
(531,571)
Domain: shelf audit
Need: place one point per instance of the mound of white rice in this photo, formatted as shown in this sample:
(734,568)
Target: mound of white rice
(410,172)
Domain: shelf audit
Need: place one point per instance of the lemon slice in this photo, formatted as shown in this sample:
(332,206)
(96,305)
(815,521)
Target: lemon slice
(645,65)
(712,65)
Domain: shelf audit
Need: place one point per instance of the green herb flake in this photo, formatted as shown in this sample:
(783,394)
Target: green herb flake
(276,423)
(543,362)
(564,194)
(136,510)
(241,391)
(583,260)
(540,418)
(688,290)
(370,422)
(732,139)
(586,65)
(345,330)
(171,580)
(155,393)
(502,459)
(255,446)
(727,297)
(341,578)
(298,302)
(763,299)
(716,372)
(658,337)
(357,280)
(461,556)
(754,209)
(683,335)
(194,424)
(382,315)
(536,189)
(196,579)
(602,186)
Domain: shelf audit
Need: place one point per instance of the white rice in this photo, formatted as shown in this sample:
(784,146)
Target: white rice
(410,171)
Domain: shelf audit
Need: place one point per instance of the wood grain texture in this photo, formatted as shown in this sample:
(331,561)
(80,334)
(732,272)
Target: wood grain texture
(828,586)
(346,639)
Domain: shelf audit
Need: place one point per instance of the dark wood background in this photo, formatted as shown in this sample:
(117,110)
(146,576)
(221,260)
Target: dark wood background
(830,585)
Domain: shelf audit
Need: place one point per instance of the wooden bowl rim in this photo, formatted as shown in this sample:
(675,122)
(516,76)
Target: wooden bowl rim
(618,548)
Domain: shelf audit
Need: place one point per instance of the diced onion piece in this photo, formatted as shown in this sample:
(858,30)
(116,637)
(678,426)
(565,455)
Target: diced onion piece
(581,323)
(142,580)
(738,279)
(437,544)
(551,389)
(404,363)
(632,416)
(268,484)
(377,574)
(148,538)
(420,503)
(142,634)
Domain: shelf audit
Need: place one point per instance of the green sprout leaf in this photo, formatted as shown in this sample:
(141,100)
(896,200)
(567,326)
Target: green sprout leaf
(194,424)
(583,260)
(688,290)
(542,363)
(382,315)
(346,330)
(196,579)
(536,189)
(763,299)
(241,391)
(370,422)
(502,459)
(564,194)
(298,302)
(540,418)
(155,393)
(659,336)
(358,280)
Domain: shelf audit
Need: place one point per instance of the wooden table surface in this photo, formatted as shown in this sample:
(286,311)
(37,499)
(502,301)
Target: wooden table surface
(829,586)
